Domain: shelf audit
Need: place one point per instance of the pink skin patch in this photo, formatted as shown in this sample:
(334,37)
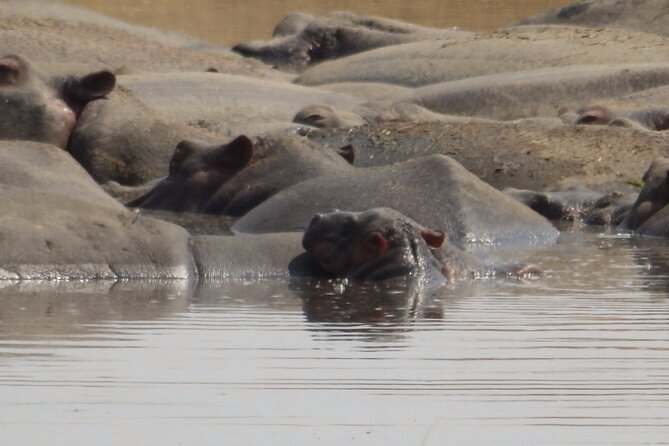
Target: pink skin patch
(64,121)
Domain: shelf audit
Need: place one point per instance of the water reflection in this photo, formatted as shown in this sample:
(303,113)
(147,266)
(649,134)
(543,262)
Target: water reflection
(579,356)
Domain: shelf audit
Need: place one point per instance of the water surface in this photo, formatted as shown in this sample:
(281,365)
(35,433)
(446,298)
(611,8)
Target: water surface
(579,356)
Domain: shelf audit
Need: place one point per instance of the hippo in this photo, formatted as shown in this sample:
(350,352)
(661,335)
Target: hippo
(59,224)
(648,213)
(381,243)
(232,178)
(571,204)
(435,190)
(334,35)
(540,92)
(55,33)
(649,118)
(644,15)
(45,109)
(462,56)
(327,117)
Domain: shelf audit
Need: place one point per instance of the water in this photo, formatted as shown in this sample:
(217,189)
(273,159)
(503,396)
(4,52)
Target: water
(579,356)
(228,22)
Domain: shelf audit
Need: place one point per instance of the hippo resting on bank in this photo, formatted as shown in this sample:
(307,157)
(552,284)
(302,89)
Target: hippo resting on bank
(57,223)
(435,190)
(232,178)
(541,92)
(334,35)
(428,62)
(382,243)
(650,214)
(37,107)
(644,15)
(55,33)
(129,137)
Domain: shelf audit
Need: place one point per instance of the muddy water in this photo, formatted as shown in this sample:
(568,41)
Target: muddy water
(579,357)
(228,22)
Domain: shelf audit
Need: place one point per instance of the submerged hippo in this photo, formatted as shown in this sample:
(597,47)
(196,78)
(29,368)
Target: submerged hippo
(232,178)
(381,244)
(576,203)
(649,214)
(45,109)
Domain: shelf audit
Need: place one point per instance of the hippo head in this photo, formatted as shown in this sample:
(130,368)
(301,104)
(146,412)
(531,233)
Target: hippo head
(373,245)
(44,110)
(196,171)
(653,196)
(595,115)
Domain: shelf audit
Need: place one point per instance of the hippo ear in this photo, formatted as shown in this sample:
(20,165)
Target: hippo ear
(10,70)
(181,153)
(434,239)
(348,153)
(376,242)
(237,153)
(84,89)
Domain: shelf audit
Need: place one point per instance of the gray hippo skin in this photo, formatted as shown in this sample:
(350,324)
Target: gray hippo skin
(121,139)
(334,35)
(38,108)
(251,256)
(232,178)
(59,224)
(435,190)
(226,103)
(54,33)
(648,214)
(512,49)
(382,244)
(541,92)
(656,119)
(644,15)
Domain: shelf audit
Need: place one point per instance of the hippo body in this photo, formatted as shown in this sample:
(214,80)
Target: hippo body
(40,108)
(332,36)
(121,139)
(226,103)
(51,32)
(644,15)
(508,50)
(231,179)
(648,215)
(541,92)
(59,224)
(435,190)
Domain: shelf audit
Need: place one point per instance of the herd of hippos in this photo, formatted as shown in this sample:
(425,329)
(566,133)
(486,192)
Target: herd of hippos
(346,146)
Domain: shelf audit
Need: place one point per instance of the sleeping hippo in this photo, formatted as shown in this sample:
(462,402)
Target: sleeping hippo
(45,109)
(650,118)
(646,15)
(232,178)
(308,40)
(435,190)
(382,244)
